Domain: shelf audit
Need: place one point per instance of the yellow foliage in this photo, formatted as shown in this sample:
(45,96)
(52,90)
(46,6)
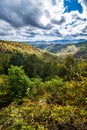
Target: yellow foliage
(71,85)
(1,81)
(12,115)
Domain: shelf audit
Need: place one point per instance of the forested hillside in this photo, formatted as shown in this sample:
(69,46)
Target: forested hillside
(76,49)
(41,91)
(82,50)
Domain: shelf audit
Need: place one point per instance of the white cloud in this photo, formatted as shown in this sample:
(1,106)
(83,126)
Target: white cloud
(41,20)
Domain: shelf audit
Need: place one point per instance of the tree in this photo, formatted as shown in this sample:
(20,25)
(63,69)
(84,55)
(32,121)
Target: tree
(17,59)
(18,82)
(70,65)
(4,63)
(33,66)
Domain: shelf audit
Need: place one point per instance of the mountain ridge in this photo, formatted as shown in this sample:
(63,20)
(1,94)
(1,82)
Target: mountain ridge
(14,47)
(76,49)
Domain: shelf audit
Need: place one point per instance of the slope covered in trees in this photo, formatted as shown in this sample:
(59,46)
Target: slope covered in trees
(40,91)
(76,49)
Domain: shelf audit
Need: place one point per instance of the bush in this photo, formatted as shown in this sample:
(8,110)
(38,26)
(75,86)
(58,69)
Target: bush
(18,82)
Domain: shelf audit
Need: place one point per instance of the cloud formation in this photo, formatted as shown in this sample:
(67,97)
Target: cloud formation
(41,20)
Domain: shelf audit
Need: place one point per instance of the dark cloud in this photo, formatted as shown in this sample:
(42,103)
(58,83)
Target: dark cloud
(4,33)
(78,18)
(59,22)
(53,2)
(84,30)
(56,32)
(23,13)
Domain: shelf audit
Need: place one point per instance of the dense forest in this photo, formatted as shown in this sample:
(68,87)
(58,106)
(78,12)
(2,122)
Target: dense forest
(41,91)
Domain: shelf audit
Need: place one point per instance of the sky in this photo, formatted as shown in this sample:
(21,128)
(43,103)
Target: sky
(43,20)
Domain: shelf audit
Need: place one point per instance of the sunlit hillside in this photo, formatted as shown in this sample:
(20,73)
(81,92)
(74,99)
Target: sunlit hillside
(77,49)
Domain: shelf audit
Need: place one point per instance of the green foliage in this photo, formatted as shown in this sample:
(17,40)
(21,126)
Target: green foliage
(33,116)
(54,85)
(50,70)
(70,64)
(36,89)
(33,66)
(55,88)
(1,69)
(18,82)
(4,86)
(4,63)
(17,59)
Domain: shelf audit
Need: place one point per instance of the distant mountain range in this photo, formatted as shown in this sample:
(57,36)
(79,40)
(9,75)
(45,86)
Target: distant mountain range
(76,49)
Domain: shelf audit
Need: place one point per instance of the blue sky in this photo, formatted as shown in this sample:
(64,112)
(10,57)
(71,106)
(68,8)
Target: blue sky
(47,20)
(72,5)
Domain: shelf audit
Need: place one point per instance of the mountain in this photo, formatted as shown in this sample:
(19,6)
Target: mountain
(40,44)
(62,49)
(13,47)
(76,49)
(82,50)
(10,47)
